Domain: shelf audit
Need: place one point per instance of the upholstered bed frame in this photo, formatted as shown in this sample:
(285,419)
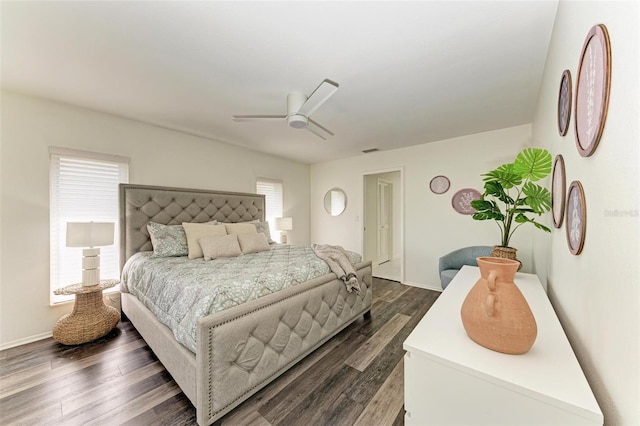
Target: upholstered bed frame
(242,349)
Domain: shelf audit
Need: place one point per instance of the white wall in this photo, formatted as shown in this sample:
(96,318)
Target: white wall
(596,294)
(431,226)
(158,157)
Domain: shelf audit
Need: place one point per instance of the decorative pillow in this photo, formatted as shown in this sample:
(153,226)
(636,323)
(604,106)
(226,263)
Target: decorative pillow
(167,240)
(195,231)
(241,228)
(263,227)
(253,243)
(222,246)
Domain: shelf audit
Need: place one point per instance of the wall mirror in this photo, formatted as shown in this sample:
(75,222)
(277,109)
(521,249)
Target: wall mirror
(335,201)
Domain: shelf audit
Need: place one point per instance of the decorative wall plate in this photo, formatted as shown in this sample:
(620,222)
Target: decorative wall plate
(461,200)
(564,102)
(439,184)
(558,191)
(576,218)
(592,90)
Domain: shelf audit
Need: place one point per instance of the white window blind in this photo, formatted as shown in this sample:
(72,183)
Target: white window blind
(272,190)
(83,188)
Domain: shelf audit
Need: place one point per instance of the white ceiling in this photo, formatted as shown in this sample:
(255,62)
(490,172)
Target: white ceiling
(409,72)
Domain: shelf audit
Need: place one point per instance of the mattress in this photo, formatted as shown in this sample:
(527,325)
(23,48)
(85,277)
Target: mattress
(179,291)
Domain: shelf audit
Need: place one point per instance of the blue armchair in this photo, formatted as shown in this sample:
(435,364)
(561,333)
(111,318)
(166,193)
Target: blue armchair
(451,263)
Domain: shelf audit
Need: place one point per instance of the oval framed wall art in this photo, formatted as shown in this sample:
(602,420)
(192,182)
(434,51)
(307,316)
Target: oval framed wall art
(593,84)
(461,200)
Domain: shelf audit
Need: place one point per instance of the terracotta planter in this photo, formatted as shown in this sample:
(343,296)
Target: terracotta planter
(495,314)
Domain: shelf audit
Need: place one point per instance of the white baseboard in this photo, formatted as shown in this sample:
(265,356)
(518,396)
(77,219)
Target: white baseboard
(425,286)
(25,340)
(111,298)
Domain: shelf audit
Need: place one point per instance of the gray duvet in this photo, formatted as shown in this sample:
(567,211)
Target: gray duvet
(179,290)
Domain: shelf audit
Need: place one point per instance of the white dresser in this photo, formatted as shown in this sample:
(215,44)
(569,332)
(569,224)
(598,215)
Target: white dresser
(451,380)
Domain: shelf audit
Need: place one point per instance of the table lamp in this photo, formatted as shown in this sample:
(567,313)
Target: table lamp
(90,235)
(284,224)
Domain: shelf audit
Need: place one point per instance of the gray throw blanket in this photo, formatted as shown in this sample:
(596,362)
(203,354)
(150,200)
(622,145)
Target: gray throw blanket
(339,263)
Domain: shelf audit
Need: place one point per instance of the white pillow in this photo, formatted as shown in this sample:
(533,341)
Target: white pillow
(241,228)
(253,243)
(222,246)
(195,231)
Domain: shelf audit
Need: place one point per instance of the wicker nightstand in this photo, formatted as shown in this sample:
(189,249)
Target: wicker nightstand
(90,318)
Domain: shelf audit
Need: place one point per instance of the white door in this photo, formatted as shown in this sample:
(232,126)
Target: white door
(384,221)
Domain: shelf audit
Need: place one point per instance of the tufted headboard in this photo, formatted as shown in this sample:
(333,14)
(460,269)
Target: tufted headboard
(141,204)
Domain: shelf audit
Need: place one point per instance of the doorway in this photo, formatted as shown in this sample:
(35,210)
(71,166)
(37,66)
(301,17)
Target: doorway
(382,227)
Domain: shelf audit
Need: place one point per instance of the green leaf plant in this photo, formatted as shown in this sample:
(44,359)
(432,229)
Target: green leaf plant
(510,196)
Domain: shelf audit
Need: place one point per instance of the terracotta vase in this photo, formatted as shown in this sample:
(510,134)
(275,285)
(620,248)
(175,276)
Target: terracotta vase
(495,314)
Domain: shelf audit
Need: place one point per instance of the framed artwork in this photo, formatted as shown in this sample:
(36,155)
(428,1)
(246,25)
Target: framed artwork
(576,218)
(461,200)
(592,90)
(558,191)
(564,103)
(439,184)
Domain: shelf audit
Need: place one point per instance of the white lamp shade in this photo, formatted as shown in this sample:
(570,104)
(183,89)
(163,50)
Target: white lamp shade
(284,223)
(89,234)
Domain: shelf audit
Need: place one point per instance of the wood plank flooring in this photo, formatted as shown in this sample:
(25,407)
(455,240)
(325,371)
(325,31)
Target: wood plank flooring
(354,379)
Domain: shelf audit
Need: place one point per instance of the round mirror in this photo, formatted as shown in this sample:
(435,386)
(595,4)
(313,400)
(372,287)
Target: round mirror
(335,201)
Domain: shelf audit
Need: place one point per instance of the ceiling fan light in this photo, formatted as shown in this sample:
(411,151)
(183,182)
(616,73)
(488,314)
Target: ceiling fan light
(297,121)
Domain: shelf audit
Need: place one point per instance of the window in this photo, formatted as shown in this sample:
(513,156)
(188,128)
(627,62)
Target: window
(83,187)
(272,190)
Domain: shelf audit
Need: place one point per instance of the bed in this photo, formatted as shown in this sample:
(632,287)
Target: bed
(241,349)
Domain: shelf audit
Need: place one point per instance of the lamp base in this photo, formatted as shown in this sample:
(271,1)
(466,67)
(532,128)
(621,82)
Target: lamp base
(283,238)
(90,267)
(90,277)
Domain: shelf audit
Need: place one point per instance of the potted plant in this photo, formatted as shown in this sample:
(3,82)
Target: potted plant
(511,198)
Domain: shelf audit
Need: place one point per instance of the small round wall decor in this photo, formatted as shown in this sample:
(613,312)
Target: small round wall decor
(576,218)
(439,184)
(461,200)
(558,191)
(592,90)
(564,103)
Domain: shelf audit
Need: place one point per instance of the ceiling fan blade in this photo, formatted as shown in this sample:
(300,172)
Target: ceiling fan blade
(318,130)
(318,97)
(257,117)
(315,133)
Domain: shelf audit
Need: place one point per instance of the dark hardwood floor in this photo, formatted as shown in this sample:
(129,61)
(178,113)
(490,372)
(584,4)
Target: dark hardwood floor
(355,378)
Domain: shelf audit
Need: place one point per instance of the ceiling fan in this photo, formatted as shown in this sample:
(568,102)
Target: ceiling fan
(299,109)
